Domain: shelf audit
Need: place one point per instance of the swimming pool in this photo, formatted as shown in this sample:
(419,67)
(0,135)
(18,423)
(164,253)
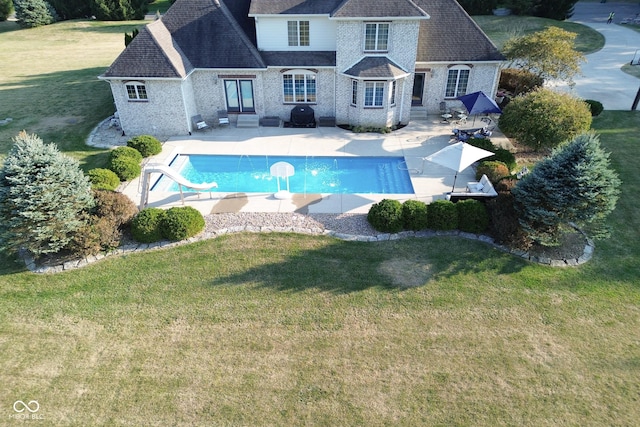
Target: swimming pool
(313,174)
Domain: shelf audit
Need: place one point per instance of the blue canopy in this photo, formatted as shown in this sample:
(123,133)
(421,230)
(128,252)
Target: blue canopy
(479,103)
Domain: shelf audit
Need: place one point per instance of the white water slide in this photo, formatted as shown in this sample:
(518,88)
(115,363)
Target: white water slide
(173,175)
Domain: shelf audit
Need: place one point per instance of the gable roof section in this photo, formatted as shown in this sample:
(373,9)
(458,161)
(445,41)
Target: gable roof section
(210,36)
(379,9)
(192,34)
(293,7)
(376,67)
(150,54)
(451,35)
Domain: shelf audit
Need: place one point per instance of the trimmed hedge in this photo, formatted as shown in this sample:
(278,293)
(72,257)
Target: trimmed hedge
(596,107)
(494,170)
(386,216)
(103,179)
(442,215)
(179,223)
(146,145)
(125,162)
(145,227)
(414,215)
(472,216)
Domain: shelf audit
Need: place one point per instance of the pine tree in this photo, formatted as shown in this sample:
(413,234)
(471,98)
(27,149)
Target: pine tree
(43,195)
(34,13)
(574,186)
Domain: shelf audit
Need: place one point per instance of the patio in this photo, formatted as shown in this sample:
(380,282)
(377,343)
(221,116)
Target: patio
(414,142)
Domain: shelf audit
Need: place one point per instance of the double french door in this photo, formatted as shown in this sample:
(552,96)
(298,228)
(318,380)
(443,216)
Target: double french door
(239,94)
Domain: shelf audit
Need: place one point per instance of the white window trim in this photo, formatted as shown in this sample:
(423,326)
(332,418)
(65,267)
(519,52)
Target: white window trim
(457,68)
(354,93)
(136,85)
(298,33)
(376,84)
(393,93)
(306,73)
(376,48)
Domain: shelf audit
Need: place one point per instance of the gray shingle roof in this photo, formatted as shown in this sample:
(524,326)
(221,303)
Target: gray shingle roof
(300,59)
(303,7)
(451,35)
(376,67)
(197,34)
(378,9)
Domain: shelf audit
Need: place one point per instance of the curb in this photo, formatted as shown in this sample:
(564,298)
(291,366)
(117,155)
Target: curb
(141,247)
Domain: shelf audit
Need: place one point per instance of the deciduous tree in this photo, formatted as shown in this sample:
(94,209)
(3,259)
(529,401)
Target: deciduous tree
(575,185)
(549,54)
(544,118)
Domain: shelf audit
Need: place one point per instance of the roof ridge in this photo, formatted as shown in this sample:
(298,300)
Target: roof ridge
(245,39)
(180,69)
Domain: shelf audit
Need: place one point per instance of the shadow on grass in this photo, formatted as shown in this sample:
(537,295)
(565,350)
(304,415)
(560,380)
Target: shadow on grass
(60,107)
(345,267)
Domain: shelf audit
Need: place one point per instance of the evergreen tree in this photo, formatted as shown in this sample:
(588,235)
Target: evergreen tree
(43,195)
(70,9)
(556,9)
(34,13)
(6,7)
(574,185)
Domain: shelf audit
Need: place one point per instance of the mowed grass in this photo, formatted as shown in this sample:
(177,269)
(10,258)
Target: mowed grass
(502,28)
(284,329)
(49,82)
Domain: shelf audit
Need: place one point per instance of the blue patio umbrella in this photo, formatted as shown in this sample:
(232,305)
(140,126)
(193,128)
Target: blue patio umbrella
(479,103)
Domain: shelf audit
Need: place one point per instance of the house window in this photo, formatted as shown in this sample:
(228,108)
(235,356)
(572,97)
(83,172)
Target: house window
(298,33)
(376,37)
(373,94)
(239,94)
(457,81)
(393,93)
(136,91)
(354,92)
(299,87)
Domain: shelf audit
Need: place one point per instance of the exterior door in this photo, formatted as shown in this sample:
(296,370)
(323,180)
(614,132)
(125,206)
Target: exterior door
(239,94)
(418,88)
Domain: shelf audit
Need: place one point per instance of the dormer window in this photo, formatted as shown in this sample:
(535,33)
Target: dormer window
(136,91)
(376,37)
(298,33)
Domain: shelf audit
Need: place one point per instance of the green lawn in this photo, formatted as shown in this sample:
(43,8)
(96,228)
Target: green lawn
(280,329)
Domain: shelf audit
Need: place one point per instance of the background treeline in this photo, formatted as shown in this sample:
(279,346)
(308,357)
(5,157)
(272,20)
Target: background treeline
(557,9)
(32,13)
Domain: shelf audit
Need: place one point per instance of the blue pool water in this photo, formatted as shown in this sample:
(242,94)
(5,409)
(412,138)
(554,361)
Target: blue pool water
(336,175)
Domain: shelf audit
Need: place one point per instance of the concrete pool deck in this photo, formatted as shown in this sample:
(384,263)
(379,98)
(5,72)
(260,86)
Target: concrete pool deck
(413,142)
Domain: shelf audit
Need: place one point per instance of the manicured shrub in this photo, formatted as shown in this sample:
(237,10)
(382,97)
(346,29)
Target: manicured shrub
(414,215)
(125,168)
(494,170)
(484,143)
(503,222)
(125,162)
(595,107)
(145,227)
(180,223)
(6,7)
(442,215)
(146,145)
(103,179)
(472,216)
(43,197)
(386,216)
(519,81)
(542,119)
(125,152)
(106,224)
(34,13)
(505,156)
(505,185)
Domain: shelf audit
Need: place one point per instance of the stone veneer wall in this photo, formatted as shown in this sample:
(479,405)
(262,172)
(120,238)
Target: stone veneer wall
(483,77)
(163,114)
(402,50)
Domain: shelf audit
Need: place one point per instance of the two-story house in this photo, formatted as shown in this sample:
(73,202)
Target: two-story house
(363,62)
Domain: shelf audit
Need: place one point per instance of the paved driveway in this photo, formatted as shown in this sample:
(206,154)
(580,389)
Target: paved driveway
(602,78)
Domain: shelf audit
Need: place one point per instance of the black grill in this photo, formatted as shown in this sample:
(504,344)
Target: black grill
(303,116)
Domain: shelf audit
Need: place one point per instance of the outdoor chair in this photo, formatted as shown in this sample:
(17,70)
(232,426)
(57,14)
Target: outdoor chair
(223,117)
(199,123)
